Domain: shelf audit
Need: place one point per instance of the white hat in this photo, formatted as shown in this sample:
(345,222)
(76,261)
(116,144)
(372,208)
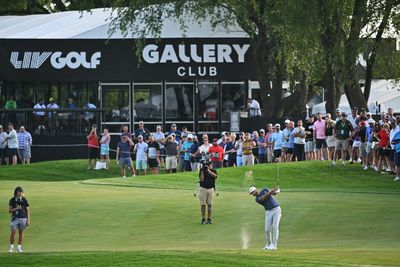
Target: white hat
(277,125)
(252,189)
(190,136)
(262,131)
(338,110)
(287,121)
(223,133)
(371,121)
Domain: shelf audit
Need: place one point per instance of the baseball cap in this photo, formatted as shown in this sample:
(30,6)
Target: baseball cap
(223,133)
(277,125)
(190,136)
(173,125)
(51,99)
(262,131)
(371,121)
(241,133)
(344,113)
(140,136)
(287,121)
(338,110)
(252,189)
(369,113)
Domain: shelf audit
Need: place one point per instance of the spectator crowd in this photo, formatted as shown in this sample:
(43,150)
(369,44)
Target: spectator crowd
(347,138)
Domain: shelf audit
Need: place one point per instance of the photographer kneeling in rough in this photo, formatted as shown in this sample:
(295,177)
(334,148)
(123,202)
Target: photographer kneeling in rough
(207,176)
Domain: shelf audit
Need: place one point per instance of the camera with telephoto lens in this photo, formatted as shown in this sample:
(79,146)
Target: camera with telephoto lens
(205,160)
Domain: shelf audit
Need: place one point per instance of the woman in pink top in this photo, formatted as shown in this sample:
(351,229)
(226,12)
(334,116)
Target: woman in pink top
(320,137)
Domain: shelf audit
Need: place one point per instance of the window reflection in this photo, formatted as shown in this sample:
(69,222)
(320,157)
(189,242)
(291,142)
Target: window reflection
(179,102)
(232,99)
(147,102)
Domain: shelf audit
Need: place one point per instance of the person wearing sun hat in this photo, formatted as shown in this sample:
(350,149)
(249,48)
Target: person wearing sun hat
(273,213)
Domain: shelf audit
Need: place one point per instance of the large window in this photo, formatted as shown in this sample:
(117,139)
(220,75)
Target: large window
(208,106)
(179,102)
(147,102)
(233,99)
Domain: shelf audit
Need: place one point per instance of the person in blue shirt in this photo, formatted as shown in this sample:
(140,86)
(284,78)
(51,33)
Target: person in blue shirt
(273,213)
(277,140)
(396,143)
(186,148)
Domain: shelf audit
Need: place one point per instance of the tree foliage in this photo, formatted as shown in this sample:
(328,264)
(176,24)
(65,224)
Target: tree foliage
(307,42)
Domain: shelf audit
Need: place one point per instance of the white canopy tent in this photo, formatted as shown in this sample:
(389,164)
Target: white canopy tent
(95,25)
(385,93)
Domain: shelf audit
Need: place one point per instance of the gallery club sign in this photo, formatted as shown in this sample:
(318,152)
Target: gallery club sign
(72,60)
(202,55)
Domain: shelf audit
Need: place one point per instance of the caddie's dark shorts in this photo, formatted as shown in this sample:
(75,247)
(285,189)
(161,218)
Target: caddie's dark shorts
(320,143)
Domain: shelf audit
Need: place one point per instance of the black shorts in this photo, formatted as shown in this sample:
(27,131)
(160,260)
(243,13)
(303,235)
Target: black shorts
(383,152)
(152,163)
(277,153)
(12,152)
(321,143)
(351,143)
(93,152)
(397,159)
(289,150)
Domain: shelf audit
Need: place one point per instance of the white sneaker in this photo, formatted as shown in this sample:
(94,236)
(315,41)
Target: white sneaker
(388,169)
(271,247)
(19,250)
(397,179)
(133,175)
(333,163)
(366,168)
(124,176)
(359,160)
(10,251)
(343,163)
(351,160)
(376,169)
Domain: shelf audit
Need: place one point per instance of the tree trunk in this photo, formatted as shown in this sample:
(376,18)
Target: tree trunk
(371,58)
(351,87)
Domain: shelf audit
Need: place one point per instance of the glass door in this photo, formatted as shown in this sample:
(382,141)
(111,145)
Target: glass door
(147,104)
(179,105)
(208,106)
(116,102)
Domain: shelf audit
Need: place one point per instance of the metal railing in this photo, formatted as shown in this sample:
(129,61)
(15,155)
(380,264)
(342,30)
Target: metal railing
(52,121)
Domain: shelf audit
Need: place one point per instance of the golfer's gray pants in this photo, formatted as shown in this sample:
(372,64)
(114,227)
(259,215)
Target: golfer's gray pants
(272,219)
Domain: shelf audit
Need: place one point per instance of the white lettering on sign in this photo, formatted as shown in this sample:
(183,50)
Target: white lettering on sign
(199,71)
(73,60)
(210,53)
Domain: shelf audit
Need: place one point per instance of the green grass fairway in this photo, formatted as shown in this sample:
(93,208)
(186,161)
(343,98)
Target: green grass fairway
(331,217)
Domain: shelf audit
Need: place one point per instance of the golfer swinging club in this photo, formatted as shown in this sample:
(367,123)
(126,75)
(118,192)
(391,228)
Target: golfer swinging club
(273,213)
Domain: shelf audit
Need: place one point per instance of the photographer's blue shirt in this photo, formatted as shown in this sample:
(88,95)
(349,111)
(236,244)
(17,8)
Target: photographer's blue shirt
(270,203)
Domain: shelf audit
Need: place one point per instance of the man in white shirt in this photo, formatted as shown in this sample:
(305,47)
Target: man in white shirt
(141,155)
(12,141)
(299,134)
(40,116)
(3,146)
(159,137)
(254,108)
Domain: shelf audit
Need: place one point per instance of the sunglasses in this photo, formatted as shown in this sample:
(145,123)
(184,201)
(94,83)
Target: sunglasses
(205,140)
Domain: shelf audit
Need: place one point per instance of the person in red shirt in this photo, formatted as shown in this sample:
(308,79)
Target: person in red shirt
(217,154)
(383,138)
(93,146)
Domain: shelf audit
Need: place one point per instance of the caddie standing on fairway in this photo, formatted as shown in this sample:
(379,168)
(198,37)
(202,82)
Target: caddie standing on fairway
(273,213)
(19,208)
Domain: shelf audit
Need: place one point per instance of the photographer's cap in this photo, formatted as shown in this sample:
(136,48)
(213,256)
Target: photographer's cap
(252,189)
(190,136)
